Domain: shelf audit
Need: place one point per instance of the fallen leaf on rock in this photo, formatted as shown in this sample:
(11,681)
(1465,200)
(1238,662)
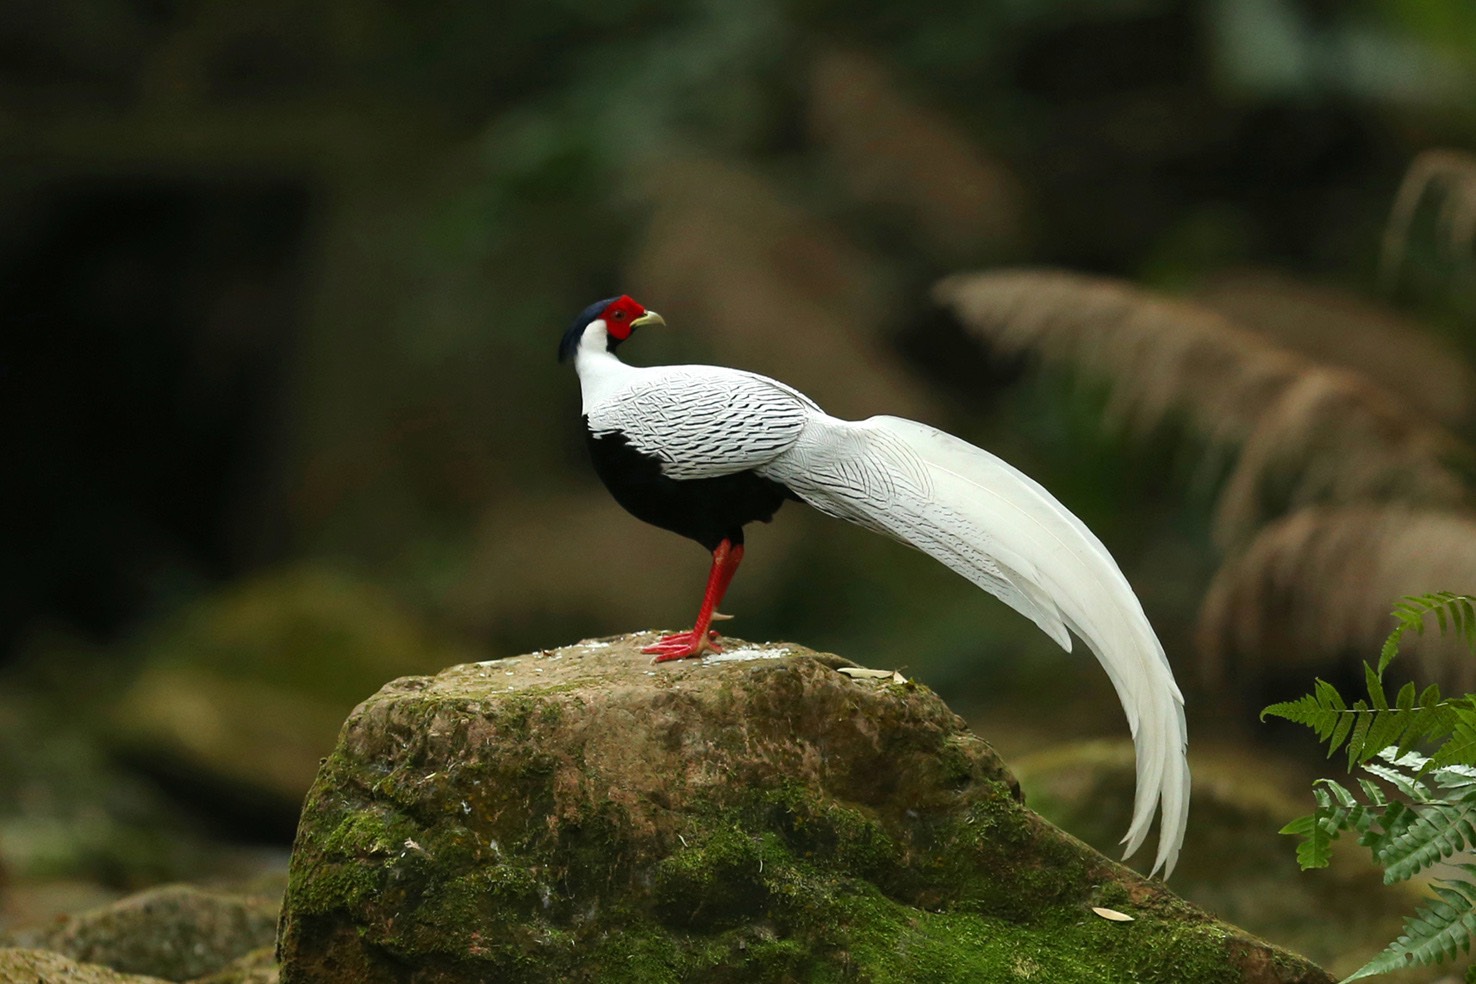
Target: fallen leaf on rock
(866,673)
(1112,914)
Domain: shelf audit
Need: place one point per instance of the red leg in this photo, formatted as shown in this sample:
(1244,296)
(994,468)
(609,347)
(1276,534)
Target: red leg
(699,639)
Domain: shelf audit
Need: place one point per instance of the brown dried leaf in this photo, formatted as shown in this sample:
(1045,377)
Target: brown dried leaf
(1451,175)
(1307,434)
(1339,328)
(1332,437)
(1322,582)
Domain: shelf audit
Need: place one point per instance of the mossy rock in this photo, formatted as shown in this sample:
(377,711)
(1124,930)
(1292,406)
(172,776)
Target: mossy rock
(174,932)
(69,813)
(1235,862)
(579,814)
(240,694)
(18,964)
(257,967)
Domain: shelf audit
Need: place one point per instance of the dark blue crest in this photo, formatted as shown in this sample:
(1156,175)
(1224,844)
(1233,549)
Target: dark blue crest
(570,342)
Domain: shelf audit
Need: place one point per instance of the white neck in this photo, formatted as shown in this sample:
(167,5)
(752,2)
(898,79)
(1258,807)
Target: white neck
(601,375)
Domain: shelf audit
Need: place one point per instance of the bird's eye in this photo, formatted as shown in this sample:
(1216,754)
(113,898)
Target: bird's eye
(619,315)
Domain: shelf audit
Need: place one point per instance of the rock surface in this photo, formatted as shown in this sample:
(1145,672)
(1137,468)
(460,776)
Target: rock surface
(242,693)
(18,964)
(175,932)
(256,967)
(1234,861)
(579,814)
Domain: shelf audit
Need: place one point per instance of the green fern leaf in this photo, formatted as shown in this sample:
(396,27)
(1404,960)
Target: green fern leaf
(1403,783)
(1455,776)
(1430,814)
(1438,831)
(1338,810)
(1392,823)
(1460,748)
(1385,731)
(1452,612)
(1440,930)
(1307,710)
(1368,727)
(1341,730)
(1375,795)
(1358,742)
(1375,686)
(1315,848)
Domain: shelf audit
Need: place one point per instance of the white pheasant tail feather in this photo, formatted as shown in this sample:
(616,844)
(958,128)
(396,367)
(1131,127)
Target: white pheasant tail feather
(992,524)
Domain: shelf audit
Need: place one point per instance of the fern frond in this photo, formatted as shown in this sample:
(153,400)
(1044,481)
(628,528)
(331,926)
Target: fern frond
(1393,822)
(1315,848)
(1452,612)
(1369,727)
(1338,810)
(1376,797)
(1438,831)
(1322,711)
(1306,432)
(1430,815)
(1406,785)
(1448,176)
(1439,930)
(1455,776)
(1339,327)
(1293,592)
(1459,750)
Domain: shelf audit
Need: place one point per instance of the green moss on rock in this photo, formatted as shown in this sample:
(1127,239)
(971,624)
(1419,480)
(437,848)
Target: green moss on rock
(243,691)
(1234,861)
(173,932)
(26,965)
(578,814)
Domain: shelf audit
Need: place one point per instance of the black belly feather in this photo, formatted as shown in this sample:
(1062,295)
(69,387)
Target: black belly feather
(708,510)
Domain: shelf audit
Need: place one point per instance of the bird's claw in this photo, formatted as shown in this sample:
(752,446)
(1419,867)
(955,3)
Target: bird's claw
(683,645)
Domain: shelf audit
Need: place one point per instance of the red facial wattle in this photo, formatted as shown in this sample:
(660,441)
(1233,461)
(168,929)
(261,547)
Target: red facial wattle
(620,317)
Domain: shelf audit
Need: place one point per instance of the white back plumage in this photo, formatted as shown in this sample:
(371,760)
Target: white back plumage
(959,504)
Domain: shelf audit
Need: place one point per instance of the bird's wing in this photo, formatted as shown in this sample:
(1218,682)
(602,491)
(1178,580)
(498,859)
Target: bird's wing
(995,526)
(704,421)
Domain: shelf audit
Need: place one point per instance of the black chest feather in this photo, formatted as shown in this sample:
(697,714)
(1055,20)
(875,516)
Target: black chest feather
(708,510)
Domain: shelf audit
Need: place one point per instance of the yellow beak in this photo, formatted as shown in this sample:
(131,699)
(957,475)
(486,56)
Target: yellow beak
(649,318)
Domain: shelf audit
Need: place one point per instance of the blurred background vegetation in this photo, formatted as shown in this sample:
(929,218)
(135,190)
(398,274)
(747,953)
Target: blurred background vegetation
(283,287)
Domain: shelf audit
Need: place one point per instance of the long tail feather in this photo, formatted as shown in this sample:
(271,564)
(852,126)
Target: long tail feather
(994,525)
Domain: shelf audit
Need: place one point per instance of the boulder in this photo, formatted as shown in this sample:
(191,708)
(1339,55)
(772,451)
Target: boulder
(43,967)
(257,967)
(240,694)
(580,814)
(174,932)
(74,824)
(1234,862)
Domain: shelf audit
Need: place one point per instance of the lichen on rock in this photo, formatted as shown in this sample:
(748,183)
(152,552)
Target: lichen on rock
(579,814)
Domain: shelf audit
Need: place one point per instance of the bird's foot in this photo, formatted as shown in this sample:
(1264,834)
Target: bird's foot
(683,645)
